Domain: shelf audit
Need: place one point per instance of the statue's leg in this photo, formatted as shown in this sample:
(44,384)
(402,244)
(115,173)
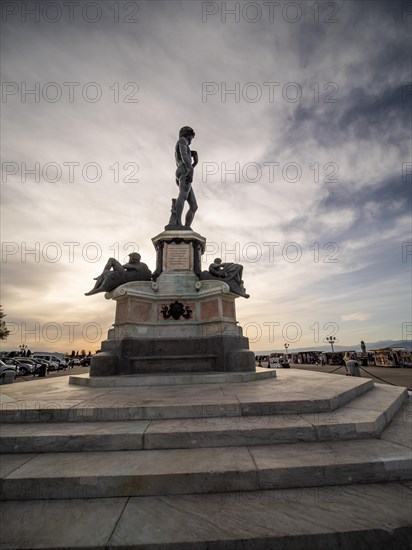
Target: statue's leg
(111,263)
(93,291)
(191,199)
(184,188)
(116,266)
(112,280)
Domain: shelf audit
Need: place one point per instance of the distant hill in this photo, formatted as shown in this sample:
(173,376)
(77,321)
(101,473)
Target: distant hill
(326,347)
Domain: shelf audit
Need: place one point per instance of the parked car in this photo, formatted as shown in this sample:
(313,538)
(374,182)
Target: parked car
(6,366)
(7,373)
(22,368)
(25,366)
(50,358)
(24,361)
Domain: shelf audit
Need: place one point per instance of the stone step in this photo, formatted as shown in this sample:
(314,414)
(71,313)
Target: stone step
(352,517)
(171,379)
(252,497)
(202,470)
(173,363)
(72,437)
(295,394)
(364,417)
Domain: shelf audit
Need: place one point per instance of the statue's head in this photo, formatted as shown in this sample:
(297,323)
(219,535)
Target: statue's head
(134,257)
(218,261)
(186,131)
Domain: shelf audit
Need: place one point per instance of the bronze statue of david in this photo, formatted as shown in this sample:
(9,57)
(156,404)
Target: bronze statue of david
(184,178)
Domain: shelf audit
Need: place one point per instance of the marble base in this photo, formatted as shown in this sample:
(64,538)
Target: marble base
(176,324)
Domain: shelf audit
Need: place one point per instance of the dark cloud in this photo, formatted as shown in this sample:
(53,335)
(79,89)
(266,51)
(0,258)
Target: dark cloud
(363,115)
(375,209)
(385,192)
(369,114)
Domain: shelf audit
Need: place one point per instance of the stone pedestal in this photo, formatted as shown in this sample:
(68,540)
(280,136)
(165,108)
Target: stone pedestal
(175,323)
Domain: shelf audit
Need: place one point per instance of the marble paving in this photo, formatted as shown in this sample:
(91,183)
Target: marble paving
(299,461)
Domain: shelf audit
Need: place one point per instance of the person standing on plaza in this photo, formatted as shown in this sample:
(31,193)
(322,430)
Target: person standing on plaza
(364,358)
(351,364)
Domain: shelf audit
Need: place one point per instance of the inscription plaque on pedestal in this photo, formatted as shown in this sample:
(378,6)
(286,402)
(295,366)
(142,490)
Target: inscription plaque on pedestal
(177,257)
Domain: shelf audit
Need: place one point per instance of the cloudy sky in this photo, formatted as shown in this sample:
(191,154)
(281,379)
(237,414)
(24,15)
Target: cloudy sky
(302,113)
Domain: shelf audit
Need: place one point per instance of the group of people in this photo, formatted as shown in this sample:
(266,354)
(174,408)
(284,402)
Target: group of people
(350,362)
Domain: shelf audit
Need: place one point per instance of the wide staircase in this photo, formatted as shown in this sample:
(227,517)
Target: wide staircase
(298,461)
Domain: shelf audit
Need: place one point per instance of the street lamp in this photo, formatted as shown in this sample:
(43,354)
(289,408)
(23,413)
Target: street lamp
(22,348)
(331,340)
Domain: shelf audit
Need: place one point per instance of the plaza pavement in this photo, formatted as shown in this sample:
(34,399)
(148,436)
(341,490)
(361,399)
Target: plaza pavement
(291,460)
